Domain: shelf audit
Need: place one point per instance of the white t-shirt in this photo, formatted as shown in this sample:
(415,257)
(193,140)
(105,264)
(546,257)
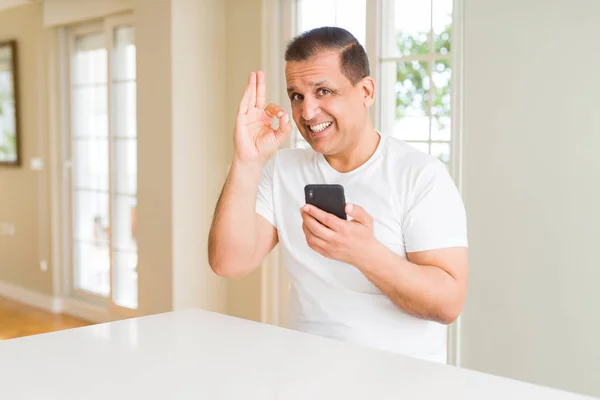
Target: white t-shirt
(415,206)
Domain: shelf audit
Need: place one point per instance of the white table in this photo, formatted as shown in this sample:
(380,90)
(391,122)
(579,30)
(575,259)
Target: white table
(196,355)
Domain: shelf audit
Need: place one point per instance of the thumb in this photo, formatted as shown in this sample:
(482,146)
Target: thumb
(359,214)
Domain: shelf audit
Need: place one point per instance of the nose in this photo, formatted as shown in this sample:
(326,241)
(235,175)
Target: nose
(310,108)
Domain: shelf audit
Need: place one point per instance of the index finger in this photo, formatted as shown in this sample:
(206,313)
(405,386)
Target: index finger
(261,96)
(250,92)
(329,220)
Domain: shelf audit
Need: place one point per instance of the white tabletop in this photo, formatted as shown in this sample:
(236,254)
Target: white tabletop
(196,354)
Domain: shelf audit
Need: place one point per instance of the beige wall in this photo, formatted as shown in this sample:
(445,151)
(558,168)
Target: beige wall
(244,54)
(153,42)
(24,200)
(61,12)
(199,76)
(208,77)
(193,63)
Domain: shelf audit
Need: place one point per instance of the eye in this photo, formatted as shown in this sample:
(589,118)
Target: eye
(295,97)
(323,91)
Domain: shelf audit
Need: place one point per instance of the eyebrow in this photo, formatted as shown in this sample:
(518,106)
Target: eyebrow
(319,83)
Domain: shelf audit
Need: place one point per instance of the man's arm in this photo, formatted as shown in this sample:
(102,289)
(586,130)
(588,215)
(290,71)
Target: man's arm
(430,284)
(239,238)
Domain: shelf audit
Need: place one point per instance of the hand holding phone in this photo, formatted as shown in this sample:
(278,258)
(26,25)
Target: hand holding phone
(327,197)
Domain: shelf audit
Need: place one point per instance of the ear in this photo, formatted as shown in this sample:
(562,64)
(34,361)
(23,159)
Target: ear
(368,90)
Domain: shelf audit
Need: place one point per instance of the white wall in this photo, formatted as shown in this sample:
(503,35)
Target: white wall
(532,190)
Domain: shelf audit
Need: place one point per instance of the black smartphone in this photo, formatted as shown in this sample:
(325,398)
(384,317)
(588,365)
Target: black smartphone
(329,198)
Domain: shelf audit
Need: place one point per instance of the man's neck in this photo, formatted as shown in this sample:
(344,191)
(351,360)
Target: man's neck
(357,153)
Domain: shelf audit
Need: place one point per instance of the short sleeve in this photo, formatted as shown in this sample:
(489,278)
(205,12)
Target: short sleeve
(435,215)
(264,197)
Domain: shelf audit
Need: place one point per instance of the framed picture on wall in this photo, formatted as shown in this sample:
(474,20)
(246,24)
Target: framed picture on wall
(9,105)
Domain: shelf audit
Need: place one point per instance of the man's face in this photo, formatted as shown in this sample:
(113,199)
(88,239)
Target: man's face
(329,111)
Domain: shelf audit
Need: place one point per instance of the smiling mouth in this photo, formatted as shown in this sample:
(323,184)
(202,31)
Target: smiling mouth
(317,129)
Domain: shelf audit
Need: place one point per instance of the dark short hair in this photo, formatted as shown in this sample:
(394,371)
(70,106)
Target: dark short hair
(354,62)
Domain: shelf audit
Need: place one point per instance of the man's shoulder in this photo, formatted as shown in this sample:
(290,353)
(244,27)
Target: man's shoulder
(408,158)
(415,172)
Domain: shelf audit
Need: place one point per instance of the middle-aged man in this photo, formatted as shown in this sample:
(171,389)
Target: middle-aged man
(394,273)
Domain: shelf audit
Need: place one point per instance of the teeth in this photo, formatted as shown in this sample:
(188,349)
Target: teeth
(320,127)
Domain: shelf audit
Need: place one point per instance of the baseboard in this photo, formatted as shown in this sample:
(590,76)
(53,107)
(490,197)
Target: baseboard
(31,298)
(57,305)
(85,311)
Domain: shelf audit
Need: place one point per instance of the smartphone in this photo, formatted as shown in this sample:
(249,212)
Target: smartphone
(329,198)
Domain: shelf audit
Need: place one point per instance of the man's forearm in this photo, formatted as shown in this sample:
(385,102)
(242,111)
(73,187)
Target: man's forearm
(232,239)
(424,291)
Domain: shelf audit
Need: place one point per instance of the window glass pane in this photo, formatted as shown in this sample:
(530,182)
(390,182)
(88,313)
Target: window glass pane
(441,108)
(351,15)
(126,161)
(442,25)
(441,151)
(90,164)
(124,109)
(347,14)
(412,89)
(89,112)
(412,98)
(91,210)
(124,54)
(91,254)
(315,13)
(407,26)
(89,60)
(125,287)
(124,122)
(412,128)
(92,267)
(124,209)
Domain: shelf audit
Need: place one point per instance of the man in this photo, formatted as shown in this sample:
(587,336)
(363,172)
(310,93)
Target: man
(393,274)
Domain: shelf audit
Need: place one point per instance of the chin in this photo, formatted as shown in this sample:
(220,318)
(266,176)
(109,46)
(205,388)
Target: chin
(321,146)
(321,142)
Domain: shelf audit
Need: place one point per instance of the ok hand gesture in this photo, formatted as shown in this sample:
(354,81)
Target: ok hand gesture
(255,139)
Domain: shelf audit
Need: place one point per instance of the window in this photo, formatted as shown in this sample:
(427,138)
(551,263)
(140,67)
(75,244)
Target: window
(415,71)
(103,150)
(413,64)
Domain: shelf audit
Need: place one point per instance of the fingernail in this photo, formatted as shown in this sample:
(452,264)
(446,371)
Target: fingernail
(305,208)
(279,114)
(349,207)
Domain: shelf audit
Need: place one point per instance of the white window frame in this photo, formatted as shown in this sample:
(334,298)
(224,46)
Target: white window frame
(87,303)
